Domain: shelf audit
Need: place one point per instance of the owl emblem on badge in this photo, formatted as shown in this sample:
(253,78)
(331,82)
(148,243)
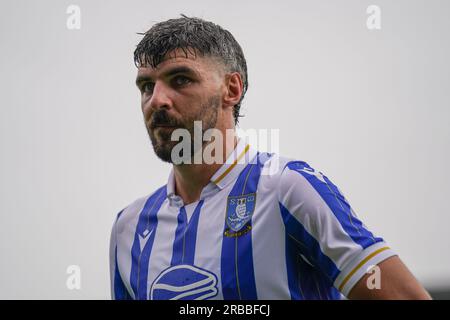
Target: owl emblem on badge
(240,210)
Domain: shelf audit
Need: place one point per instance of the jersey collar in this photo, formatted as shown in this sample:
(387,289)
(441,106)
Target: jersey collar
(236,162)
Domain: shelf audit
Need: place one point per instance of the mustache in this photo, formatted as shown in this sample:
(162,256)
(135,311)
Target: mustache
(161,118)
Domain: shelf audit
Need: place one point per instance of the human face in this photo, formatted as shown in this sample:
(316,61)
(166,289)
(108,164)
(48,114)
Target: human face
(180,90)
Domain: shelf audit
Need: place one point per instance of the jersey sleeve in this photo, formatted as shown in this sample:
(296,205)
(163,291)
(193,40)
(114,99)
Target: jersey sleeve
(118,288)
(325,228)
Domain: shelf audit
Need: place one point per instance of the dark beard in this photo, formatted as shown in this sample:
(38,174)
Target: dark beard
(164,145)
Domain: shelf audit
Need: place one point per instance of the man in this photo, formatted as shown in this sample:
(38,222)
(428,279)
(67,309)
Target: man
(227,229)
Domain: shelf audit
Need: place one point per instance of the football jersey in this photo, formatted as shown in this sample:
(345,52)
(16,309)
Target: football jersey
(265,227)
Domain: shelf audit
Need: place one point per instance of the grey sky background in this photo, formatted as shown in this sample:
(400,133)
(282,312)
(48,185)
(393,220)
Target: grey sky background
(368,108)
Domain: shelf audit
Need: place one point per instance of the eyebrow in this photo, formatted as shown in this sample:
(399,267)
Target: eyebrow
(170,72)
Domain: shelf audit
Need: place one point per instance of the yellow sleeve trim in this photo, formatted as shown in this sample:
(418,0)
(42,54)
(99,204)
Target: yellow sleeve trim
(370,256)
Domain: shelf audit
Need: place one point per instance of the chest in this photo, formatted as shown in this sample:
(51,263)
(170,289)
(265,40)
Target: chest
(216,249)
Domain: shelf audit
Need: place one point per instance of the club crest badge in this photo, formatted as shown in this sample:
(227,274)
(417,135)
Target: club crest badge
(240,210)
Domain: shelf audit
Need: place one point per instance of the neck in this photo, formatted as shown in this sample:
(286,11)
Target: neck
(190,179)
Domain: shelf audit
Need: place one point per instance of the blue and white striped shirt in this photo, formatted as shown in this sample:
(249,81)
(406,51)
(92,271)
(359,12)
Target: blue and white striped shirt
(265,227)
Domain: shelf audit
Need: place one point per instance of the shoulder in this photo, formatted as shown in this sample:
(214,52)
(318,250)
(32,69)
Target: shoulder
(297,172)
(297,181)
(282,171)
(132,211)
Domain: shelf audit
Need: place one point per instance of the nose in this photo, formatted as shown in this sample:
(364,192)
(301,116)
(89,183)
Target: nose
(159,98)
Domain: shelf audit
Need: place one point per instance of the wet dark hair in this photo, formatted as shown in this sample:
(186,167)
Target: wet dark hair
(194,36)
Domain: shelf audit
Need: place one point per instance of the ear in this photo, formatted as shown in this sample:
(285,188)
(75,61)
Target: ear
(233,89)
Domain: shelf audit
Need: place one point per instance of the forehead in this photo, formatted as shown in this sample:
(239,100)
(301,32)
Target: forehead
(199,65)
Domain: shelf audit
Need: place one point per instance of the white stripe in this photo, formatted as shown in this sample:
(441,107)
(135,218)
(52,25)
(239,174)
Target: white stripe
(208,246)
(112,258)
(191,286)
(191,293)
(162,248)
(268,240)
(126,228)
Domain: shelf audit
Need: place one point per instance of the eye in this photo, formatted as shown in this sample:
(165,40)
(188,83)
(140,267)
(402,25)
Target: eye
(180,81)
(147,87)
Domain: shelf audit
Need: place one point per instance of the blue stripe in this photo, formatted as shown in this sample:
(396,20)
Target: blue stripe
(186,237)
(338,205)
(311,282)
(237,271)
(179,235)
(335,294)
(305,281)
(120,291)
(292,269)
(307,245)
(191,236)
(140,256)
(119,214)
